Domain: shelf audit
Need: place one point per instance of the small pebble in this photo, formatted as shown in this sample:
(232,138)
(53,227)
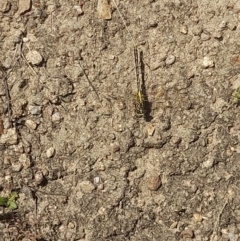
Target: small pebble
(111,136)
(47,112)
(150,129)
(19,148)
(207,62)
(197,217)
(16,166)
(50,152)
(82,102)
(183,29)
(114,147)
(25,39)
(100,187)
(197,30)
(187,233)
(231,26)
(25,160)
(170,60)
(71,225)
(56,117)
(222,25)
(111,57)
(31,124)
(86,186)
(10,137)
(154,182)
(62,229)
(96,180)
(38,177)
(8,178)
(5,6)
(205,37)
(173,225)
(217,34)
(103,9)
(6,160)
(208,163)
(102,167)
(34,57)
(193,188)
(34,109)
(121,105)
(118,128)
(153,22)
(78,9)
(23,6)
(176,140)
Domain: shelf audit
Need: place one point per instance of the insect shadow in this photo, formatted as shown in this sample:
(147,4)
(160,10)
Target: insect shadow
(147,105)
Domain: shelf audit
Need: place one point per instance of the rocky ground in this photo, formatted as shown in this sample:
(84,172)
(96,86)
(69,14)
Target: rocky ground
(84,165)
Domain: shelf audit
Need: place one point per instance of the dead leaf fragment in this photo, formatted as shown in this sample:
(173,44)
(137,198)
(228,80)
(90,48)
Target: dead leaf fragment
(103,9)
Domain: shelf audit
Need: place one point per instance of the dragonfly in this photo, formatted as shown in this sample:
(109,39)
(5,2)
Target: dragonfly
(139,104)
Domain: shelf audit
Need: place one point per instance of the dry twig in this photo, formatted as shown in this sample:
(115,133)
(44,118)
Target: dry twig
(218,220)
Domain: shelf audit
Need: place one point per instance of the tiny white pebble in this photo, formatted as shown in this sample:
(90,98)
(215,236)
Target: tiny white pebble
(38,177)
(31,124)
(223,25)
(25,39)
(100,187)
(207,62)
(50,152)
(207,164)
(170,60)
(96,180)
(183,29)
(78,10)
(8,178)
(111,57)
(56,117)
